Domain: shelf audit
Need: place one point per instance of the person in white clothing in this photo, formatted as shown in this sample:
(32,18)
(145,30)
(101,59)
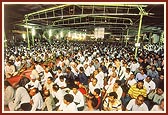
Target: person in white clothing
(131,81)
(21,96)
(48,85)
(8,92)
(9,69)
(78,97)
(68,104)
(61,82)
(159,107)
(39,68)
(93,85)
(37,100)
(115,88)
(111,80)
(137,104)
(33,83)
(58,94)
(46,75)
(100,77)
(92,68)
(87,70)
(149,84)
(35,73)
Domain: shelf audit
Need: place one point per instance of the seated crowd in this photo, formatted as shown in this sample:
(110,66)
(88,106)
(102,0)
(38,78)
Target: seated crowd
(84,77)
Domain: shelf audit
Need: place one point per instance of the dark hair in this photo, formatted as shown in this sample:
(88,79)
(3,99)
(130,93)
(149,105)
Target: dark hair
(69,68)
(50,78)
(81,69)
(69,98)
(75,86)
(113,94)
(94,79)
(23,81)
(118,82)
(26,106)
(61,77)
(140,81)
(6,83)
(97,90)
(94,102)
(56,87)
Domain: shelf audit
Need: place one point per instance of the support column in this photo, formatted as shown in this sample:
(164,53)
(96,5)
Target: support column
(127,37)
(27,33)
(139,33)
(5,40)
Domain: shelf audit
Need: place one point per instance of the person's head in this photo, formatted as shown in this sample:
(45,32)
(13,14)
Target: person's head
(61,78)
(23,81)
(92,103)
(161,77)
(85,66)
(140,99)
(116,61)
(143,71)
(75,88)
(33,91)
(49,80)
(160,90)
(96,92)
(46,69)
(59,69)
(94,81)
(140,84)
(114,75)
(46,93)
(132,76)
(117,83)
(81,69)
(161,105)
(96,72)
(153,67)
(148,79)
(99,69)
(55,87)
(33,78)
(68,69)
(68,98)
(26,107)
(127,70)
(112,96)
(6,84)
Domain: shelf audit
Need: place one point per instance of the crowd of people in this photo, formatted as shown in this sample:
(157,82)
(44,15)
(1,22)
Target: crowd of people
(84,76)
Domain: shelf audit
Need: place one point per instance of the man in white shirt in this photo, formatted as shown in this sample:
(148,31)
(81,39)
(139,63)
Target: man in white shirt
(131,81)
(37,100)
(61,82)
(93,85)
(100,77)
(159,107)
(9,69)
(58,94)
(137,104)
(78,97)
(68,104)
(39,69)
(34,83)
(21,96)
(149,84)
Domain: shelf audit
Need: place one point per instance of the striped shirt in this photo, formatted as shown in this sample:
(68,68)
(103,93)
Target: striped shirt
(134,91)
